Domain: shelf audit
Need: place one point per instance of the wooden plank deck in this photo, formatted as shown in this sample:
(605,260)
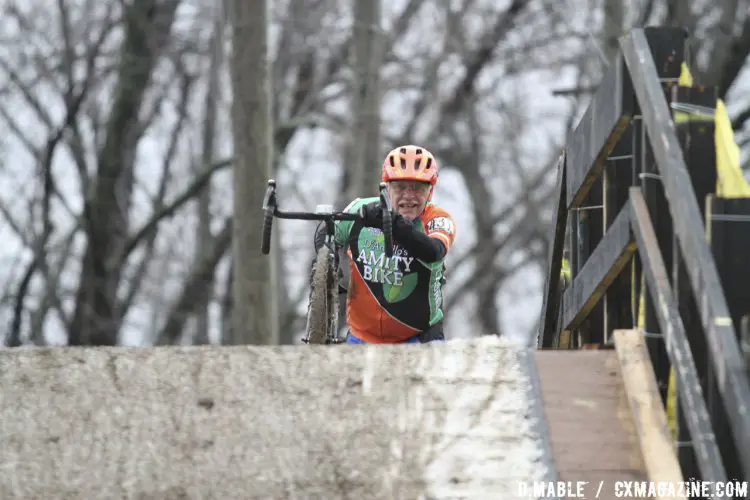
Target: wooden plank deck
(591,428)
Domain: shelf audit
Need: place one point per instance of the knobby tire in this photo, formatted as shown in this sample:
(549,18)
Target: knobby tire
(265,245)
(319,307)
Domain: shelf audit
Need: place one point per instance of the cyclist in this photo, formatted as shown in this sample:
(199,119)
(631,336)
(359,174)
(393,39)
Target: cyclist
(398,299)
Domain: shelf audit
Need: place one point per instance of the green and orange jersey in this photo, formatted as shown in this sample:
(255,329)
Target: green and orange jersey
(393,299)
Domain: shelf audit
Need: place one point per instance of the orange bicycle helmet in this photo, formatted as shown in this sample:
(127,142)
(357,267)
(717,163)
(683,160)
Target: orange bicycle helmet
(410,163)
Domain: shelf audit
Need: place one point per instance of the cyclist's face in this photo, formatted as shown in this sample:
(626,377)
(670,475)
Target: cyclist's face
(409,197)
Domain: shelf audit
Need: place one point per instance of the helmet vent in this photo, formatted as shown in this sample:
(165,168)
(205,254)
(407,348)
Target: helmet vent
(393,163)
(429,164)
(419,151)
(403,151)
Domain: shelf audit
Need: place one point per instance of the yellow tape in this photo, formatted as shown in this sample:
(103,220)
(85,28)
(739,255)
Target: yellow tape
(565,271)
(730,183)
(686,78)
(723,321)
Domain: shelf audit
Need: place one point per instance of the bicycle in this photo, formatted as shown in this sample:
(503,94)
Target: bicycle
(323,305)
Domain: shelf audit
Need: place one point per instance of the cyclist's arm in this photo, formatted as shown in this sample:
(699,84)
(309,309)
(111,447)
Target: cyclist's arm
(343,227)
(430,247)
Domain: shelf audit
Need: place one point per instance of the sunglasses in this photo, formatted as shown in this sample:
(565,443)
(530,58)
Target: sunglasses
(403,186)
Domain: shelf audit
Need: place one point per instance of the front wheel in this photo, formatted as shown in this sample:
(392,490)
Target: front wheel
(321,305)
(265,245)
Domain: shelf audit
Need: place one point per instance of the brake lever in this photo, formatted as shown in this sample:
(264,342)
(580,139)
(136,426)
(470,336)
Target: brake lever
(269,200)
(385,200)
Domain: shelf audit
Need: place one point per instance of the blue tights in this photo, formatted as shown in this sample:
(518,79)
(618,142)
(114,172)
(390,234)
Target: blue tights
(351,339)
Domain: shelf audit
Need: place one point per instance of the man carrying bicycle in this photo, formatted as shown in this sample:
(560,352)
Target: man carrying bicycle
(398,299)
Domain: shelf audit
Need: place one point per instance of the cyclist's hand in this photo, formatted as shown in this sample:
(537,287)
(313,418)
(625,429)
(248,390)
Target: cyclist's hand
(372,215)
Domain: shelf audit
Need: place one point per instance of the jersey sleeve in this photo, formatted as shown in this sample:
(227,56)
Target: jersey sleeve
(441,225)
(344,227)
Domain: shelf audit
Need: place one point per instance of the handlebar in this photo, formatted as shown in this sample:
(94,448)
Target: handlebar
(271,210)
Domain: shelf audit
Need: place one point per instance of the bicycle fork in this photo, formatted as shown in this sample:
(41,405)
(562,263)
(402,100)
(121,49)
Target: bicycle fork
(333,297)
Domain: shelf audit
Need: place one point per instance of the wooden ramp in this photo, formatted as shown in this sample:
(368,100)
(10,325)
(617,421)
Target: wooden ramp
(604,415)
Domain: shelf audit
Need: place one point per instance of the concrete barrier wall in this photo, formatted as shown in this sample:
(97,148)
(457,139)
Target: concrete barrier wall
(458,420)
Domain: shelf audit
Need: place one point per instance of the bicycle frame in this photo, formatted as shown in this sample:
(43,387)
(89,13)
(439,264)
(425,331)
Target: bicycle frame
(328,257)
(329,274)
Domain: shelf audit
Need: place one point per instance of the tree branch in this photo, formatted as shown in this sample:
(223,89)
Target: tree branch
(499,274)
(14,336)
(479,59)
(738,54)
(39,260)
(148,26)
(739,121)
(535,193)
(150,236)
(196,288)
(200,182)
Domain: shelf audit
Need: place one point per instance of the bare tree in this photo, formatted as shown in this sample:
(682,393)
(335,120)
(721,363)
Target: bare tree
(124,231)
(364,147)
(113,94)
(255,315)
(614,22)
(212,98)
(154,271)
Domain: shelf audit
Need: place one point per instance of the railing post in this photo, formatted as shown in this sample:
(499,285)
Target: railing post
(657,279)
(695,132)
(575,265)
(722,342)
(667,47)
(617,179)
(590,224)
(552,299)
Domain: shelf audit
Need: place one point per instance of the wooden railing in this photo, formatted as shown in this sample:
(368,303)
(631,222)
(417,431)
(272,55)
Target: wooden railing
(629,185)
